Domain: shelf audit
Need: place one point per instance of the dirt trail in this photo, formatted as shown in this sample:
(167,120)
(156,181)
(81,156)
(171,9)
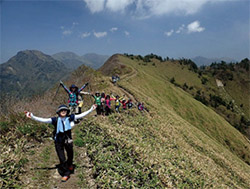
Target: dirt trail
(41,171)
(126,77)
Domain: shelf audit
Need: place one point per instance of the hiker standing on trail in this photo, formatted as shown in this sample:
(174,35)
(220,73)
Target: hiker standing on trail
(141,106)
(97,98)
(62,136)
(74,97)
(108,105)
(103,96)
(117,102)
(130,103)
(124,104)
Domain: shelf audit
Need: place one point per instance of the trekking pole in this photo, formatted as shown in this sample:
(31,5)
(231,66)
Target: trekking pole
(89,89)
(56,93)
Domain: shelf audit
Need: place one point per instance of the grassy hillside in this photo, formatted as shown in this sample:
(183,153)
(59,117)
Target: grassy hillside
(151,81)
(231,100)
(177,143)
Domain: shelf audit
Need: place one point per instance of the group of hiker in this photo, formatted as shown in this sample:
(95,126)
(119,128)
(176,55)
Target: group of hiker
(68,116)
(102,101)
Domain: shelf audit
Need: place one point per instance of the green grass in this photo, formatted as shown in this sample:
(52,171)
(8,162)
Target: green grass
(175,117)
(115,164)
(164,96)
(16,132)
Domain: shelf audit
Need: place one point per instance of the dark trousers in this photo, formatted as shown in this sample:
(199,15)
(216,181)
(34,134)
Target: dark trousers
(107,110)
(98,110)
(64,164)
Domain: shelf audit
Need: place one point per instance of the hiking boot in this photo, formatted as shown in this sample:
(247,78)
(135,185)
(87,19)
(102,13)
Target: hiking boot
(65,178)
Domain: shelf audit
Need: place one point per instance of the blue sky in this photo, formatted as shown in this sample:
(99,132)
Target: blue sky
(174,28)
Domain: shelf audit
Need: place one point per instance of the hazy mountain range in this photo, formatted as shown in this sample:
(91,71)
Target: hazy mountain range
(32,72)
(200,61)
(73,61)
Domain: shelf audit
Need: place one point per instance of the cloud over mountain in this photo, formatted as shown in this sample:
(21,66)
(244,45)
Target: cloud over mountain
(193,27)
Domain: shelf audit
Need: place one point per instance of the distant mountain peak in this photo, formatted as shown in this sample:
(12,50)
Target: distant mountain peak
(72,60)
(30,71)
(200,60)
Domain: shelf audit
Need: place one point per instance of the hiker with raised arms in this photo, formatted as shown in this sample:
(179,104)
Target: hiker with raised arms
(74,97)
(97,98)
(62,136)
(117,102)
(108,105)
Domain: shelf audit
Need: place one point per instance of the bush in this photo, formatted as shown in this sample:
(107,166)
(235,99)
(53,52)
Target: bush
(172,80)
(79,142)
(216,101)
(204,80)
(185,86)
(4,127)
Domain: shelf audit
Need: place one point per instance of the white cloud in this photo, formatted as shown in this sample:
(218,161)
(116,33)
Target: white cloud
(126,33)
(169,33)
(100,34)
(180,29)
(67,32)
(161,7)
(113,29)
(195,27)
(85,34)
(118,5)
(95,5)
(148,8)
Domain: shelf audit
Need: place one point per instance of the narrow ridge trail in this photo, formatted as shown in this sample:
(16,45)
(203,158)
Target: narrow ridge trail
(41,171)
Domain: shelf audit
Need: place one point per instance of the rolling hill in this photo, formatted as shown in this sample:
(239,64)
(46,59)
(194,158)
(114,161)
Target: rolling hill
(177,142)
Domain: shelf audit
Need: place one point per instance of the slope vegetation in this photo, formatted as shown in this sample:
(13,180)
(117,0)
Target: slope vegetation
(177,143)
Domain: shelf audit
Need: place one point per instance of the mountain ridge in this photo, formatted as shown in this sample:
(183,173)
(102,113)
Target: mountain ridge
(203,61)
(30,72)
(72,60)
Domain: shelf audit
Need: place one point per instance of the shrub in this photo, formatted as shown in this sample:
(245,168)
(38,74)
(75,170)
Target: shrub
(172,80)
(204,80)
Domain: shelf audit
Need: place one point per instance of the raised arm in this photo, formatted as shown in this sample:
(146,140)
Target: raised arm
(85,93)
(39,119)
(85,85)
(122,98)
(78,116)
(65,88)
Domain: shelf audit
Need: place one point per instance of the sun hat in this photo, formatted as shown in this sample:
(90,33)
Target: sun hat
(62,107)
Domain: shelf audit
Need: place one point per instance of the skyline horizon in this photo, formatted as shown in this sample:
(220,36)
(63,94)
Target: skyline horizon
(180,28)
(226,59)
